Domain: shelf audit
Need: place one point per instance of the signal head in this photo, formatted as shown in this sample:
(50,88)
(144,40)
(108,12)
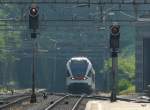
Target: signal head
(33,11)
(33,17)
(115,29)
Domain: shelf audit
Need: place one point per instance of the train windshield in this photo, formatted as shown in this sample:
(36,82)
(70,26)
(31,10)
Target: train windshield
(78,68)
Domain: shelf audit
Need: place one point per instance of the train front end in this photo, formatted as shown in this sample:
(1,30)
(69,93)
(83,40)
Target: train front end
(79,76)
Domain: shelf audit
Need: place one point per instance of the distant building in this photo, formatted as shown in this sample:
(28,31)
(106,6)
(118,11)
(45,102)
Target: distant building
(143,55)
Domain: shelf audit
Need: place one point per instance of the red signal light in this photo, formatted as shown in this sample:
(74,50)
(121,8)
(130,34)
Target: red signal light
(115,29)
(34,11)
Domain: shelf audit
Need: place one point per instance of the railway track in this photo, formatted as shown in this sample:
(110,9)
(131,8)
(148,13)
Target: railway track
(7,98)
(9,101)
(67,102)
(22,102)
(54,102)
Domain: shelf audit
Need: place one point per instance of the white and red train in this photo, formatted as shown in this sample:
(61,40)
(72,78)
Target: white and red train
(80,75)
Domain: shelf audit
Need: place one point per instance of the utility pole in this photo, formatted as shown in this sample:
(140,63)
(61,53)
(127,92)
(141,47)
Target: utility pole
(55,59)
(114,46)
(55,64)
(33,25)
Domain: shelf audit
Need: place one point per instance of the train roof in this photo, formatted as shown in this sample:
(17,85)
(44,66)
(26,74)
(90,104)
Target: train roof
(79,58)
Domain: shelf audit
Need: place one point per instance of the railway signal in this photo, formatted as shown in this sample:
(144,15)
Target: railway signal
(114,46)
(34,17)
(33,25)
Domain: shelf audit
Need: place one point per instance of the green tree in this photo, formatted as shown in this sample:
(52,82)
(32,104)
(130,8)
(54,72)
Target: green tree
(10,41)
(126,71)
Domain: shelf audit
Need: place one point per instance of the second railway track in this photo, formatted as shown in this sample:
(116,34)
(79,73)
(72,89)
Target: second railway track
(68,102)
(14,100)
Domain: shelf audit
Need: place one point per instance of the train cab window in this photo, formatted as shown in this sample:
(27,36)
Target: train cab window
(78,68)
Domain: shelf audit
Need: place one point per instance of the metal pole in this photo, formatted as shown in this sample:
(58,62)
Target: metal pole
(114,72)
(33,96)
(54,72)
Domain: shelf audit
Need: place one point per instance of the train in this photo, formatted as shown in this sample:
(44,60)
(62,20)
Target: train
(80,76)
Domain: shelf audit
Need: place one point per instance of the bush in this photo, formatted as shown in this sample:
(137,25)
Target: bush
(124,85)
(130,90)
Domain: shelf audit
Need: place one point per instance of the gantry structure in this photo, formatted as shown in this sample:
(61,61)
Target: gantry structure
(75,27)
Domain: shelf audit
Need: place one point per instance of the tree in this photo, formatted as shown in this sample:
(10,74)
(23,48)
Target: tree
(126,71)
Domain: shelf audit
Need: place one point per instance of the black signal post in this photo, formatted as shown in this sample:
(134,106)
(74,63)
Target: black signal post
(33,25)
(114,47)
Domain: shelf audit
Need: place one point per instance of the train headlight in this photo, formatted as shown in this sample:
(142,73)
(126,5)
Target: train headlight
(85,78)
(72,78)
